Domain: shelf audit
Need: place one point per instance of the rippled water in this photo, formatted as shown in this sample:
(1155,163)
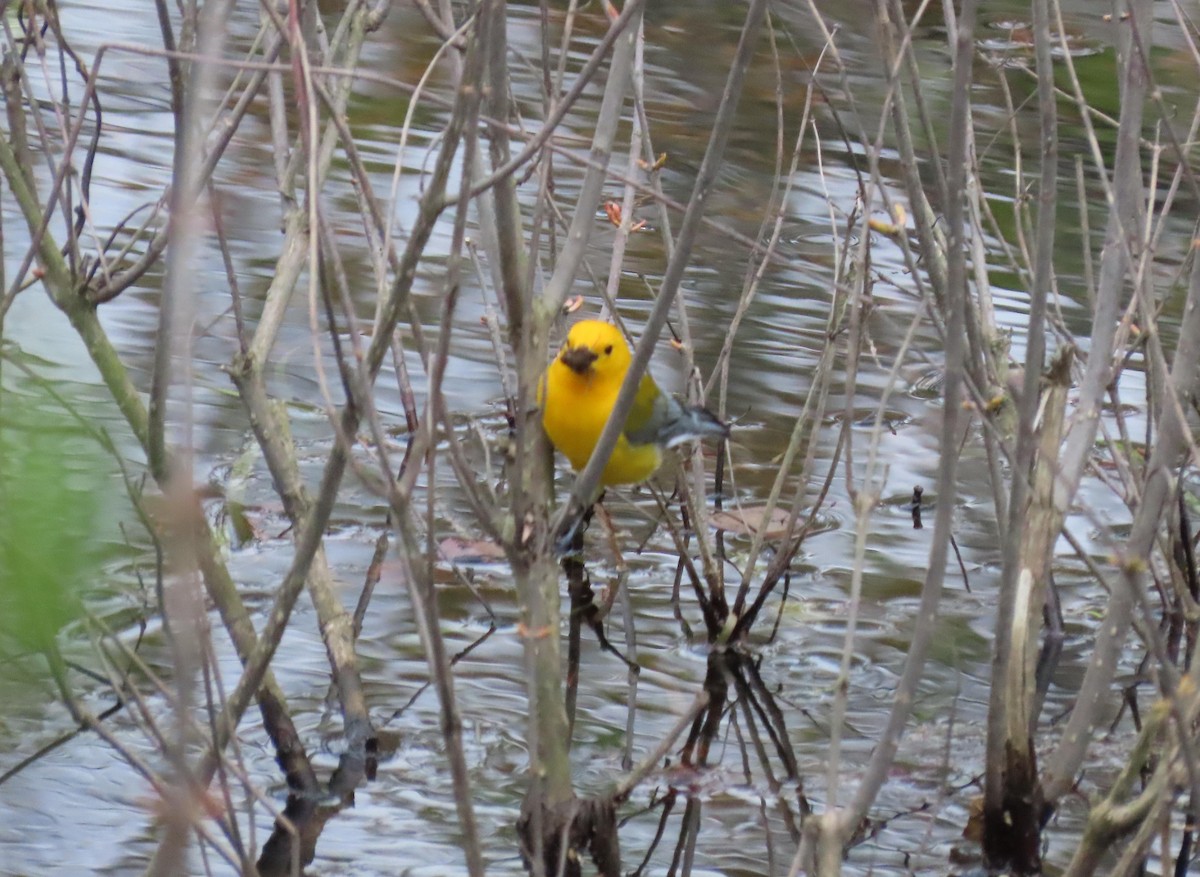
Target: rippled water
(80,809)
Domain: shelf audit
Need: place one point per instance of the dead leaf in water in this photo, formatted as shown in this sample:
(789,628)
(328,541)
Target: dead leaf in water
(748,520)
(458,550)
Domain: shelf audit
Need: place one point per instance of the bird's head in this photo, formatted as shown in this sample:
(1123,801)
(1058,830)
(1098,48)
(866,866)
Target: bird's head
(596,348)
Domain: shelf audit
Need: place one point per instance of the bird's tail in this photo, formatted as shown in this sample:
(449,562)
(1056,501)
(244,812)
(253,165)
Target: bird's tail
(692,422)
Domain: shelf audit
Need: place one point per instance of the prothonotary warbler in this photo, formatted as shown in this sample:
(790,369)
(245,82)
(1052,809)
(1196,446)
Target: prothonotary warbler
(580,389)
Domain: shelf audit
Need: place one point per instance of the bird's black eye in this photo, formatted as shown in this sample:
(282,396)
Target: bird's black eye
(608,350)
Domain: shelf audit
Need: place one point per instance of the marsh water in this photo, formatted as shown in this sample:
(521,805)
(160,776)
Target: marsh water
(80,808)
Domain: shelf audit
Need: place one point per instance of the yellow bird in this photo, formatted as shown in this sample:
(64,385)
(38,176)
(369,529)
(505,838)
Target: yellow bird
(580,389)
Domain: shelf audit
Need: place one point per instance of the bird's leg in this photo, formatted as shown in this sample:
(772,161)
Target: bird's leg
(570,538)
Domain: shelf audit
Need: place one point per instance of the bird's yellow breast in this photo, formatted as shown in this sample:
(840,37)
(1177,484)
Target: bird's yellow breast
(575,408)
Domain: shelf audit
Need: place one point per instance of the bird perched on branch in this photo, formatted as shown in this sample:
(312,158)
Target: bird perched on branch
(580,389)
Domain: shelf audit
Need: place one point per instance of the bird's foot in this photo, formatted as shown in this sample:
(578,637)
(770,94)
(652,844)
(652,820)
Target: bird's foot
(569,541)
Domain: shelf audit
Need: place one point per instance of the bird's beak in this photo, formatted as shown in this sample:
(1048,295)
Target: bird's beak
(578,359)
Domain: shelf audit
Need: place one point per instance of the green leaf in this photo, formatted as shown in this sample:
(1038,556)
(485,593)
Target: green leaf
(52,489)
